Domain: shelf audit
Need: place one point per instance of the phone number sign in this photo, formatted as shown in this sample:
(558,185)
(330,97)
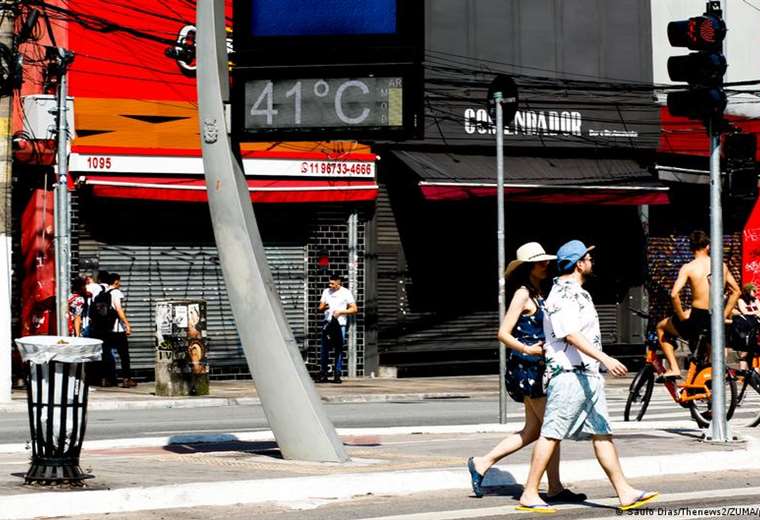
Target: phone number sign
(153,165)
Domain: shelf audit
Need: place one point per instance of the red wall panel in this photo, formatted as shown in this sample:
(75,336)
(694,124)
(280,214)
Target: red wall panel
(38,261)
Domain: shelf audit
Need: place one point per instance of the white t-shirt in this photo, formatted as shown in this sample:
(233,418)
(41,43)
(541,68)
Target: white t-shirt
(94,288)
(337,300)
(570,309)
(116,297)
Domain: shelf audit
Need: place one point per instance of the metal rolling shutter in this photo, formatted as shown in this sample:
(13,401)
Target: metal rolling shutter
(391,294)
(155,272)
(608,323)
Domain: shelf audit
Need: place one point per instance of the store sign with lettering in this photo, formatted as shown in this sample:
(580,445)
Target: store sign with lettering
(569,120)
(135,164)
(526,122)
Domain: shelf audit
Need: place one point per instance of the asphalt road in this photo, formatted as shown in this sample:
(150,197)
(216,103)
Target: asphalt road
(112,424)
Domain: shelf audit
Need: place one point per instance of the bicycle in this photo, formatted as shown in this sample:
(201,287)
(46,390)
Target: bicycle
(695,392)
(750,378)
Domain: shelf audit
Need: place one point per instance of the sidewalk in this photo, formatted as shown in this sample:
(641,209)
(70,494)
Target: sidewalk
(243,392)
(248,468)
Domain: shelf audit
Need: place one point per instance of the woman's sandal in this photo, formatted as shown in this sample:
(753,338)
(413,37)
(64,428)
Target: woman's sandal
(476,479)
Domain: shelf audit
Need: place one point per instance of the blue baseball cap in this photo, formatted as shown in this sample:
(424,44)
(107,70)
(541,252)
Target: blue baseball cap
(569,254)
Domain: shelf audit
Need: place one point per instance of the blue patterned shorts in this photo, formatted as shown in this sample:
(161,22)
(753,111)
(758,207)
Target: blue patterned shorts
(524,377)
(576,407)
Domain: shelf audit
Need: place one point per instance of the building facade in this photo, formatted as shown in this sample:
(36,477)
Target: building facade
(591,153)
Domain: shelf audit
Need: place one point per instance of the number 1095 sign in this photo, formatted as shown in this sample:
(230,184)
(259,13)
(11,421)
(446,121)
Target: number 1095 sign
(309,104)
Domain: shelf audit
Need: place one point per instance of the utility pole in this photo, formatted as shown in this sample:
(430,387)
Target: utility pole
(500,245)
(6,167)
(62,208)
(502,96)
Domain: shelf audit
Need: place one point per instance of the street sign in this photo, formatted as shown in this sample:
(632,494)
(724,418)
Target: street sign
(509,97)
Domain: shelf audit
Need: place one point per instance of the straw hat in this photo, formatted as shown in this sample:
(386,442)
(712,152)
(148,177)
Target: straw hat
(530,252)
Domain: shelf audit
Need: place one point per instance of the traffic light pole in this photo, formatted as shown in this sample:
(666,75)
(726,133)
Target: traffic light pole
(718,426)
(502,257)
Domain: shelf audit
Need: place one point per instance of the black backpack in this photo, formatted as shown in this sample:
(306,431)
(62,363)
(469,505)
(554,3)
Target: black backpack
(102,314)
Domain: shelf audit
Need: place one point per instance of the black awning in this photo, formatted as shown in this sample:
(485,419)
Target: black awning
(448,176)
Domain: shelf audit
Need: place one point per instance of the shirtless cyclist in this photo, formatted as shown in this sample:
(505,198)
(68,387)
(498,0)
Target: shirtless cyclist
(689,324)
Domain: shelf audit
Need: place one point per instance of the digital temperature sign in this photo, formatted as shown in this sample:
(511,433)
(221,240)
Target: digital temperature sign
(316,103)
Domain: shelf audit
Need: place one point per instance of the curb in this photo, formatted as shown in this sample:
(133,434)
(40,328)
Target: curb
(310,492)
(207,402)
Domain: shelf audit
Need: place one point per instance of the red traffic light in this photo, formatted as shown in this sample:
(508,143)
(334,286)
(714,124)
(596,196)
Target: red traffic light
(698,33)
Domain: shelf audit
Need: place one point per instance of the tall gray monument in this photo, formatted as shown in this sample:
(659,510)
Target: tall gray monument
(287,394)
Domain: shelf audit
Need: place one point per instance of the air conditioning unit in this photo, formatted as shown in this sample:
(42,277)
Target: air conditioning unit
(40,116)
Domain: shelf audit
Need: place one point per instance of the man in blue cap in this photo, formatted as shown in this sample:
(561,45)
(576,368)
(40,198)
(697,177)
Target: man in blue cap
(576,407)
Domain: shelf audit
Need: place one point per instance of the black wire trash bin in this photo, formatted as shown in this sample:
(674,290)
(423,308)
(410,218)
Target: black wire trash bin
(57,389)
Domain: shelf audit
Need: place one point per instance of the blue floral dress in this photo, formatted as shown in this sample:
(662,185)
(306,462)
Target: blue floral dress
(524,377)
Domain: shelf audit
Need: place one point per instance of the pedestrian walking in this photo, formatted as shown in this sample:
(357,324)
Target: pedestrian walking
(337,303)
(121,330)
(93,288)
(109,323)
(96,373)
(576,406)
(522,332)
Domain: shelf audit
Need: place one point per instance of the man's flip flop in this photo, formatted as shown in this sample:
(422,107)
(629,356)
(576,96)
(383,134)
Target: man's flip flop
(537,508)
(643,499)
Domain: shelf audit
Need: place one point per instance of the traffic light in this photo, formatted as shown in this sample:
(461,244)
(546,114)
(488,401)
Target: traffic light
(702,70)
(741,169)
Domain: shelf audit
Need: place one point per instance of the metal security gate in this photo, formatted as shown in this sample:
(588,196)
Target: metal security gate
(608,323)
(158,272)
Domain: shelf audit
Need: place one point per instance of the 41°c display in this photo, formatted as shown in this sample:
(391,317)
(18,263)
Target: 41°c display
(330,103)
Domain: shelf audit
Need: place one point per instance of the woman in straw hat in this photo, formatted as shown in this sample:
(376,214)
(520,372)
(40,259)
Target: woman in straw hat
(523,333)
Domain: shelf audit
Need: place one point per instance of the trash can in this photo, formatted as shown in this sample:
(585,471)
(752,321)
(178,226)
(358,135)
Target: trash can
(181,348)
(56,390)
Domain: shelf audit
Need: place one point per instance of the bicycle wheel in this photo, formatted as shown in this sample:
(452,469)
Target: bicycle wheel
(639,394)
(753,397)
(701,409)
